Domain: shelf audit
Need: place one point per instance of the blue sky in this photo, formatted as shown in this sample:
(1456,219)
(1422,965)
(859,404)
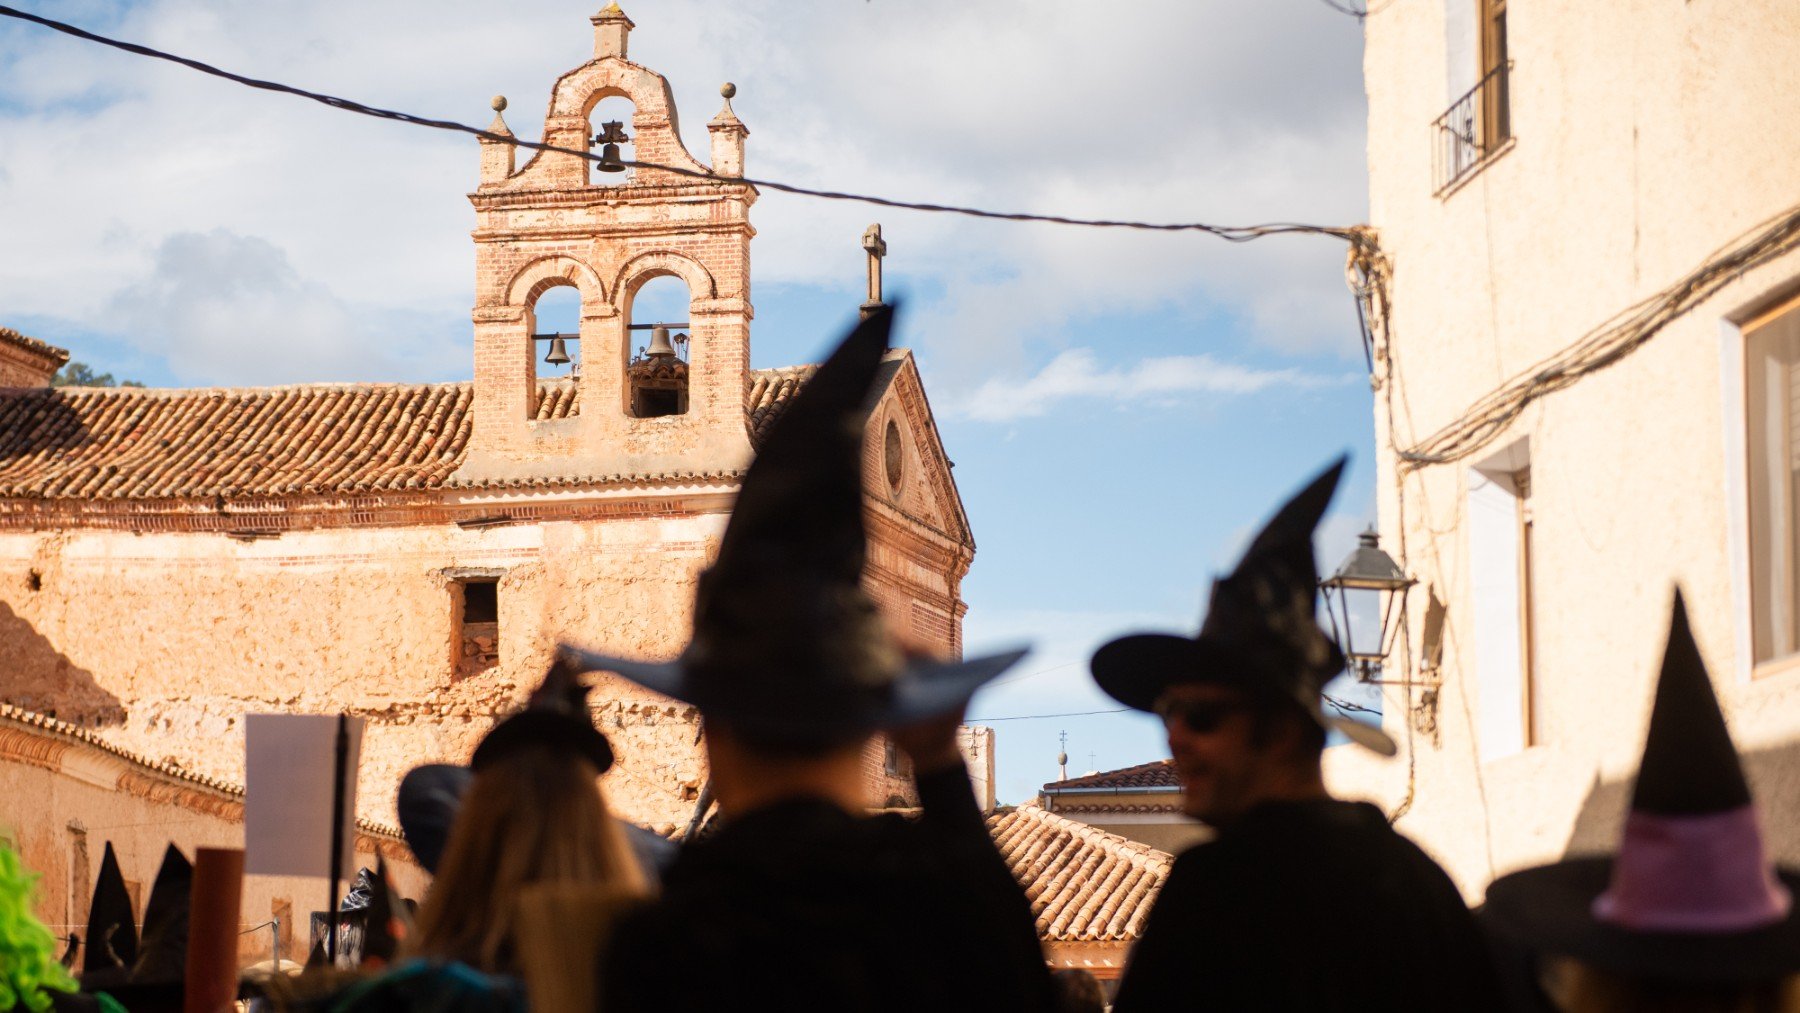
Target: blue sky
(1123,408)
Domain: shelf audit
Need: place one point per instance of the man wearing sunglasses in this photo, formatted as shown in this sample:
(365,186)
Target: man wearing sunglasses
(1301,901)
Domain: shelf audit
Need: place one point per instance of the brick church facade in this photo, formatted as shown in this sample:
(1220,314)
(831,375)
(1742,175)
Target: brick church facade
(410,553)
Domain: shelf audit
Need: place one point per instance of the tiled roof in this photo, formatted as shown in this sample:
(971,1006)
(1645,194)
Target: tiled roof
(8,336)
(1102,808)
(304,440)
(1084,884)
(769,394)
(1156,774)
(48,725)
(772,389)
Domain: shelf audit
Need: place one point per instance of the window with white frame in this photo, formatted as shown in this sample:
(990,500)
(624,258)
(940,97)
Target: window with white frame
(1503,606)
(1772,404)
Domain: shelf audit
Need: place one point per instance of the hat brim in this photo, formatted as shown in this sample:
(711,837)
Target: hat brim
(533,727)
(1136,669)
(922,690)
(1549,910)
(427,804)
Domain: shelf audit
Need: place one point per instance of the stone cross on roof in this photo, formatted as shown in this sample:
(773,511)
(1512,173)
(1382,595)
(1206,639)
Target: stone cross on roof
(877,249)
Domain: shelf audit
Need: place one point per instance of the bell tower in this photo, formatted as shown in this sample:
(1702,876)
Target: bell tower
(639,404)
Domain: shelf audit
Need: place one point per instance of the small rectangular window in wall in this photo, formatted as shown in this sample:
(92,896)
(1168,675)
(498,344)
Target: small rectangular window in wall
(1772,402)
(1527,608)
(478,624)
(1496,102)
(80,896)
(1503,606)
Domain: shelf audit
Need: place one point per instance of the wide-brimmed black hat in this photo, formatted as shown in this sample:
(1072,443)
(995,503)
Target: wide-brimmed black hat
(431,795)
(1691,895)
(786,641)
(556,716)
(1261,633)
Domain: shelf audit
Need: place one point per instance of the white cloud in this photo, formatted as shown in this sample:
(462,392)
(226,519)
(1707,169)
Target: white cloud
(1077,374)
(234,311)
(1214,110)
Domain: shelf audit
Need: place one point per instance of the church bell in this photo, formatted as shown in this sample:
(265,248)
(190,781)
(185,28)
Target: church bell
(609,159)
(558,354)
(659,342)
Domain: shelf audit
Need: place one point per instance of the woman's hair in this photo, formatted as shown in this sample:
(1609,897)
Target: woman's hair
(1577,987)
(536,816)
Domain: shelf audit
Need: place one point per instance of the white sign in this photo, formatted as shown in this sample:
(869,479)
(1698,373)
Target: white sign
(288,793)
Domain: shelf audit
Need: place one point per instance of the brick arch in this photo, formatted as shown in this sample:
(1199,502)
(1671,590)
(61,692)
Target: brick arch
(546,273)
(653,103)
(655,264)
(601,94)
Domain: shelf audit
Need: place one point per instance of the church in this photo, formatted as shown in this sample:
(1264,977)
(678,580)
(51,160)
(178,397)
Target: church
(171,560)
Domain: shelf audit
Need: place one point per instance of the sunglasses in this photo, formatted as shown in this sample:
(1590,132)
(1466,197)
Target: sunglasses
(1202,717)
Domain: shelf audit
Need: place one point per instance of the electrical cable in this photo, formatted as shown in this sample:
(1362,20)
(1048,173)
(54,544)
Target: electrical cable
(1038,717)
(1606,344)
(1358,13)
(1348,707)
(1229,233)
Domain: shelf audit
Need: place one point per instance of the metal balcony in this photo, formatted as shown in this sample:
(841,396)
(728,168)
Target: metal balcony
(1476,127)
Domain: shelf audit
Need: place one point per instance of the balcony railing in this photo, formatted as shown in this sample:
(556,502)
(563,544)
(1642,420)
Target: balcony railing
(1472,130)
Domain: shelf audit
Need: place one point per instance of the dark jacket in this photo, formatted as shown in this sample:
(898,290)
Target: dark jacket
(800,905)
(1316,906)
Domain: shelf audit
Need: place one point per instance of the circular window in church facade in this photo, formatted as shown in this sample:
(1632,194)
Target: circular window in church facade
(893,457)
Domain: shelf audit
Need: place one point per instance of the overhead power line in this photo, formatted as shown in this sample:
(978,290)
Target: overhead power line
(1230,233)
(1039,717)
(1606,344)
(1365,11)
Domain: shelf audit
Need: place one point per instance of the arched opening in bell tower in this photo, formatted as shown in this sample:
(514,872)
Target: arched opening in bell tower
(656,375)
(613,138)
(555,317)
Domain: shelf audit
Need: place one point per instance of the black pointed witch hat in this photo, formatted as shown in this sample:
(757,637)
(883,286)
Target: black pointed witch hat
(112,940)
(786,641)
(156,979)
(1691,894)
(1261,633)
(556,715)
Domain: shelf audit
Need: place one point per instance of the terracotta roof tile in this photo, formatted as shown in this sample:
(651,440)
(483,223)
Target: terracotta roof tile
(304,440)
(26,343)
(1157,774)
(1084,884)
(58,728)
(769,394)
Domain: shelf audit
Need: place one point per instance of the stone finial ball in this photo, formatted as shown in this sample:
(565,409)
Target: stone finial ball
(499,103)
(728,90)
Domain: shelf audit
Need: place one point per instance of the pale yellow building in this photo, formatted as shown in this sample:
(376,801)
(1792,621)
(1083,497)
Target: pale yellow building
(1586,332)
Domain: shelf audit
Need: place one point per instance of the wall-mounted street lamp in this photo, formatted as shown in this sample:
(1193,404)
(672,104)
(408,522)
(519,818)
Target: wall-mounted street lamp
(1364,600)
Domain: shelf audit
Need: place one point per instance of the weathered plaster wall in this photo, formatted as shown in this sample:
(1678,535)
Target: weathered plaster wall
(1646,137)
(164,640)
(187,632)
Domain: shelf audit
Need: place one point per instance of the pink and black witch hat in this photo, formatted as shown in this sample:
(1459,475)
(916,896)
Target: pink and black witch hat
(1692,894)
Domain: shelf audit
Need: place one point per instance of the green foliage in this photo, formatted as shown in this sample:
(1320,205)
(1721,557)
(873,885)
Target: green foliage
(28,965)
(80,374)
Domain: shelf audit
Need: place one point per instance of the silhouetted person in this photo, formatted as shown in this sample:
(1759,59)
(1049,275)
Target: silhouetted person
(1301,902)
(799,900)
(1690,916)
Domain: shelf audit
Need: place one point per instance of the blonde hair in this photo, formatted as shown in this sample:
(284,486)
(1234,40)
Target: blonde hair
(1578,987)
(535,817)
